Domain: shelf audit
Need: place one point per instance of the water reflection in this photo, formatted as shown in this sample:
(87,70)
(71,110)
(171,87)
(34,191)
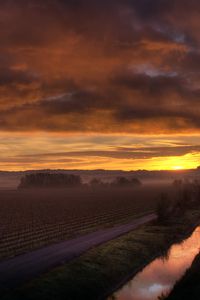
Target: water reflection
(159,277)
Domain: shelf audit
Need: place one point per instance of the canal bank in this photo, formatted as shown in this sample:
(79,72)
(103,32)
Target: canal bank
(96,274)
(158,277)
(180,231)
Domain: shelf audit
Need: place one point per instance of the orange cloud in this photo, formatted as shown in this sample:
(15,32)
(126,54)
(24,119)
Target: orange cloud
(99,67)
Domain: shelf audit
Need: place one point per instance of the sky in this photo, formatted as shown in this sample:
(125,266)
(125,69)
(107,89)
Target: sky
(98,84)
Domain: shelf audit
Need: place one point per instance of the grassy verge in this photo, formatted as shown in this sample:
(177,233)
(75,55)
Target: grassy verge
(98,272)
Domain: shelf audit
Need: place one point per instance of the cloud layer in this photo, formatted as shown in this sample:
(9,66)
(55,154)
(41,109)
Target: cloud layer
(100,66)
(44,151)
(127,69)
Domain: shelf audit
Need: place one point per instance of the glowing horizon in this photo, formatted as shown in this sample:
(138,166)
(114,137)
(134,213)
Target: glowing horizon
(55,151)
(99,84)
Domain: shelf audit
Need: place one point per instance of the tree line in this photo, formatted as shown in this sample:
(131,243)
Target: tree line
(186,196)
(50,180)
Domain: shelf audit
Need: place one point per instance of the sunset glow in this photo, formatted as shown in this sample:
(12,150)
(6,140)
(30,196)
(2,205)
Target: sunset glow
(99,84)
(113,152)
(178,168)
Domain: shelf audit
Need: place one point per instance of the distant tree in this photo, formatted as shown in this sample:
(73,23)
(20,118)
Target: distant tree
(49,180)
(177,183)
(121,181)
(185,199)
(135,182)
(95,182)
(195,182)
(163,208)
(126,182)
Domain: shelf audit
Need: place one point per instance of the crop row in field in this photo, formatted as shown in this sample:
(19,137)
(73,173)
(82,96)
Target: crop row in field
(31,219)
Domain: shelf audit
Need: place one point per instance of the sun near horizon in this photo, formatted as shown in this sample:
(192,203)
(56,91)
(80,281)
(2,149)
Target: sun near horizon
(177,168)
(110,94)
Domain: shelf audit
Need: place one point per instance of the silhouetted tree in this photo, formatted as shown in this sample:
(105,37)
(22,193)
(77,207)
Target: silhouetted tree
(135,182)
(184,200)
(122,181)
(49,180)
(163,208)
(177,183)
(126,182)
(95,182)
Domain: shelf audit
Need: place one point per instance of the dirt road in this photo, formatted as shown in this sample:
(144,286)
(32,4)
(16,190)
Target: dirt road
(20,269)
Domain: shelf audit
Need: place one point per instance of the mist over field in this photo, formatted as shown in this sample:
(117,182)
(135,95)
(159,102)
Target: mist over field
(11,180)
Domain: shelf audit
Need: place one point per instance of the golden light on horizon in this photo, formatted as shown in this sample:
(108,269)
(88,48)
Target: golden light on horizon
(176,168)
(184,162)
(84,97)
(110,152)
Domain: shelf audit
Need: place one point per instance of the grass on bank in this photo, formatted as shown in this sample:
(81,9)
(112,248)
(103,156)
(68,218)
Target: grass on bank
(100,270)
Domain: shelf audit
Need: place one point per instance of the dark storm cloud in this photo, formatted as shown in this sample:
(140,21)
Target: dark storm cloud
(79,101)
(38,22)
(190,62)
(102,66)
(152,85)
(154,102)
(148,9)
(9,77)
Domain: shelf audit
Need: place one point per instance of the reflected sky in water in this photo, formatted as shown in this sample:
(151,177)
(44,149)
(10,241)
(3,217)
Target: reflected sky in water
(159,277)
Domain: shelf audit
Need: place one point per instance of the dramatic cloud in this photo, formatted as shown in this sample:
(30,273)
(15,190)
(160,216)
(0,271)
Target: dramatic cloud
(25,151)
(100,67)
(123,153)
